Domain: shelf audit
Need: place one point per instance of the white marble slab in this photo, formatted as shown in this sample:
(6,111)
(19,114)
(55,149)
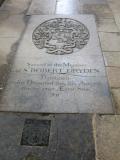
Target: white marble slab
(58,78)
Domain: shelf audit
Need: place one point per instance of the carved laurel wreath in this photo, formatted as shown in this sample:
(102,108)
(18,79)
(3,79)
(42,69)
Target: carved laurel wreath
(60,36)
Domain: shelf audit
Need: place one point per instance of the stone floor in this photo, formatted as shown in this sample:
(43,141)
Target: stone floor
(63,136)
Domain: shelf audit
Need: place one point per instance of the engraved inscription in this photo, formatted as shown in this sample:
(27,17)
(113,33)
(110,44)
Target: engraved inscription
(61,36)
(54,79)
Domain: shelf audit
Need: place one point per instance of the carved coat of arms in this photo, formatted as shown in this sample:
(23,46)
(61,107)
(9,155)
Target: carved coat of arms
(60,36)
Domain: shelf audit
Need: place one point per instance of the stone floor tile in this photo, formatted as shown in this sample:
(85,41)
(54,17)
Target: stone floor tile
(115,5)
(61,80)
(113,76)
(15,6)
(42,7)
(99,10)
(107,25)
(116,99)
(11,26)
(79,6)
(107,137)
(70,137)
(5,49)
(112,59)
(68,7)
(93,1)
(110,41)
(8,47)
(117,19)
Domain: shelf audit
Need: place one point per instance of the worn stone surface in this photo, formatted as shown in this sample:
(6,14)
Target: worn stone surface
(11,25)
(112,59)
(113,76)
(107,25)
(79,6)
(115,5)
(116,98)
(107,137)
(63,79)
(31,157)
(6,45)
(110,41)
(11,29)
(99,10)
(93,1)
(15,6)
(67,141)
(42,7)
(117,19)
(68,7)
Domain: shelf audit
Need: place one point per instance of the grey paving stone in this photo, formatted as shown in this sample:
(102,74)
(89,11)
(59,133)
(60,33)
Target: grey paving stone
(99,10)
(116,98)
(114,76)
(68,7)
(107,137)
(42,7)
(115,5)
(67,79)
(11,26)
(71,137)
(15,6)
(107,25)
(110,41)
(79,6)
(5,49)
(117,19)
(112,59)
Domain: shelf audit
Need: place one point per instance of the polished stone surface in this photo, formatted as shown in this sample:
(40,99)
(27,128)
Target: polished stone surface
(71,137)
(64,78)
(42,7)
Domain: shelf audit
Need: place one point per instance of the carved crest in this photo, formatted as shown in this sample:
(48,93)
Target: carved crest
(61,36)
